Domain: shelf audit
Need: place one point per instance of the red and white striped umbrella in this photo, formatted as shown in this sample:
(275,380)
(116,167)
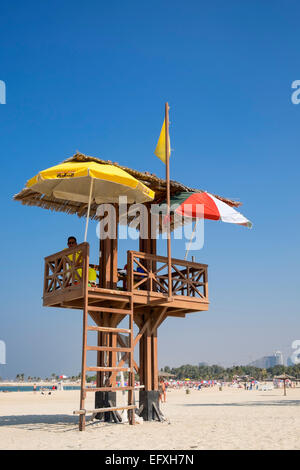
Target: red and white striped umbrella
(190,205)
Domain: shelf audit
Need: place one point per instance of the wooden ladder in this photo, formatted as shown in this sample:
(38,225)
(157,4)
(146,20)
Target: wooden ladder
(106,369)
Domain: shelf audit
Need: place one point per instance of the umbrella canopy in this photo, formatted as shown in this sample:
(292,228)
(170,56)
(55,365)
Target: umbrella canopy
(165,374)
(284,377)
(188,204)
(89,182)
(72,181)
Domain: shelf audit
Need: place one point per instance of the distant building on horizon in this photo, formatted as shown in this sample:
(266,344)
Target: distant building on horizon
(268,361)
(290,361)
(293,360)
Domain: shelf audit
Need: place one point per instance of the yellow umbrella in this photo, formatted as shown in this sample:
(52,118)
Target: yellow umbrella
(90,181)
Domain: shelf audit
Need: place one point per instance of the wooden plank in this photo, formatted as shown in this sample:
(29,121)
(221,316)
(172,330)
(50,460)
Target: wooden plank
(104,410)
(102,292)
(180,301)
(163,259)
(67,251)
(108,369)
(99,292)
(161,301)
(122,311)
(108,329)
(109,389)
(108,348)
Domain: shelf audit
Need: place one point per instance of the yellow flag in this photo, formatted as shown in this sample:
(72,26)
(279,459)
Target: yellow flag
(160,150)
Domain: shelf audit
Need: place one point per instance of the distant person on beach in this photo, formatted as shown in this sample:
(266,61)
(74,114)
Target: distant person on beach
(162,390)
(34,388)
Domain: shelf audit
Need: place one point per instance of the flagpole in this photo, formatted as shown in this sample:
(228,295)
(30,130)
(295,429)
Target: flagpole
(190,242)
(168,199)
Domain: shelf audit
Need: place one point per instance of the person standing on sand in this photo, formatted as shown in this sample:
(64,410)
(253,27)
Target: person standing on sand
(162,391)
(34,388)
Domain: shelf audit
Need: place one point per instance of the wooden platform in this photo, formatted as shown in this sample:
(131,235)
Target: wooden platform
(98,297)
(146,281)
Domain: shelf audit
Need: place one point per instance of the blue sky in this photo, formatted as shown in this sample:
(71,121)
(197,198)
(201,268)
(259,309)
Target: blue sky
(94,76)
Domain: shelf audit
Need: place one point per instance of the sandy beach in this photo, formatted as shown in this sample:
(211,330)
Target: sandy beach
(206,419)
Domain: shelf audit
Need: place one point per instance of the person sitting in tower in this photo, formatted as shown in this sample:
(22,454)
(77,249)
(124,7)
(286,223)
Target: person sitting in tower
(72,242)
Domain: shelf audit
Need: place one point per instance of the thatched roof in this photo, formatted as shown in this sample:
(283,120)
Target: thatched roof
(161,373)
(284,377)
(32,198)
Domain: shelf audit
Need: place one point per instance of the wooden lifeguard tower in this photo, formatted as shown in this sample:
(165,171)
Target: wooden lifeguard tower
(141,295)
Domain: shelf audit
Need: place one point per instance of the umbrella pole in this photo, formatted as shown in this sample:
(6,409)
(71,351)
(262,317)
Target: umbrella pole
(88,212)
(192,236)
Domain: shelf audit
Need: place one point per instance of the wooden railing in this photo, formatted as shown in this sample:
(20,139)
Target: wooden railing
(65,270)
(150,273)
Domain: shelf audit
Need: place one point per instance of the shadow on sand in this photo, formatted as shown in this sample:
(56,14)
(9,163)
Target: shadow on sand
(44,422)
(251,403)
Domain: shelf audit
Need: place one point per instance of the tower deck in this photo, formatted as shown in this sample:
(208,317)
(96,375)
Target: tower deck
(146,280)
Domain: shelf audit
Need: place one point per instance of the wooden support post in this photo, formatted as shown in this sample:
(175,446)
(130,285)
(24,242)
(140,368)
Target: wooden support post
(148,359)
(114,254)
(147,337)
(154,360)
(84,338)
(108,273)
(142,357)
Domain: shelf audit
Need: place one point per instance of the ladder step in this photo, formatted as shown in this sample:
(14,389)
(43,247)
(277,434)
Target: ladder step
(109,369)
(103,410)
(107,329)
(110,310)
(109,389)
(108,348)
